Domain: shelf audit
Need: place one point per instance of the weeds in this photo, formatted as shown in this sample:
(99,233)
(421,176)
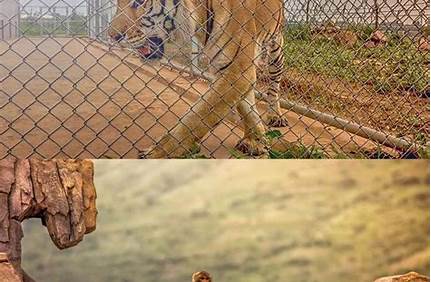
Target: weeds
(398,66)
(294,151)
(195,153)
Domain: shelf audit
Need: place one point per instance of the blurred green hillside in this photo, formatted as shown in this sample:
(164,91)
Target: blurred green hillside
(246,221)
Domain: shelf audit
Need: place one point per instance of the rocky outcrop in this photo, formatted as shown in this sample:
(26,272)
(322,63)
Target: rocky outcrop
(377,38)
(409,277)
(424,44)
(330,31)
(60,192)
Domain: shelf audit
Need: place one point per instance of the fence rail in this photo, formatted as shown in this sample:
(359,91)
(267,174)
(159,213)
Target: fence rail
(355,84)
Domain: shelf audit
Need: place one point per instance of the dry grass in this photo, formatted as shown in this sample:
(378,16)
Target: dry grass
(247,221)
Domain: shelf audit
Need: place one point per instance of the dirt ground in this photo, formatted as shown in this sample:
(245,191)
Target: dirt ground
(400,113)
(70,97)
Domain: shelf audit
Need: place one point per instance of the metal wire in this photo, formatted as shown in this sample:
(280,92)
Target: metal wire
(355,84)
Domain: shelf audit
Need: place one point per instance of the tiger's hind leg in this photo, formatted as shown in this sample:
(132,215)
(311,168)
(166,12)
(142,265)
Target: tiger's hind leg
(275,116)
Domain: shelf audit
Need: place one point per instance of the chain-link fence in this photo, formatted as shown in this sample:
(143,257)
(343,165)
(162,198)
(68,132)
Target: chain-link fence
(218,79)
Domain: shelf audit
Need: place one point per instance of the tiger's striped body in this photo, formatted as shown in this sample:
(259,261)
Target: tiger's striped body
(270,60)
(232,34)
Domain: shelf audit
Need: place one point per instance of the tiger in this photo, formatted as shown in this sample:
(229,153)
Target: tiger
(234,35)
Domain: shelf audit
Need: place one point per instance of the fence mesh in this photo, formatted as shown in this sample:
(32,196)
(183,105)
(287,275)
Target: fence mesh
(208,79)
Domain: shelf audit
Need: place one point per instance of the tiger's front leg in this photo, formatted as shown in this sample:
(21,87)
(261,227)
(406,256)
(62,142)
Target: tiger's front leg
(209,110)
(254,142)
(233,82)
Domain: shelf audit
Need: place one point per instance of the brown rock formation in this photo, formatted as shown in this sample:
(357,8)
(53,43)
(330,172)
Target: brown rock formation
(424,44)
(60,192)
(347,38)
(409,277)
(377,38)
(330,31)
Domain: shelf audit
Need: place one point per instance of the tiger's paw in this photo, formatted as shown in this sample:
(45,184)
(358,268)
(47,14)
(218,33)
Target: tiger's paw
(152,153)
(164,149)
(160,152)
(252,146)
(169,148)
(276,120)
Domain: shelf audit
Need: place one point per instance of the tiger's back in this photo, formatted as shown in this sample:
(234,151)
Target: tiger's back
(267,15)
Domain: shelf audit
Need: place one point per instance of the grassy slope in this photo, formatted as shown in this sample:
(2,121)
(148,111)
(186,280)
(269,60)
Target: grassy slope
(247,221)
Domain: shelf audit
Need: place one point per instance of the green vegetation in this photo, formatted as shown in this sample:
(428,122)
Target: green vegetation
(397,66)
(298,151)
(338,221)
(294,151)
(424,153)
(291,151)
(71,26)
(195,153)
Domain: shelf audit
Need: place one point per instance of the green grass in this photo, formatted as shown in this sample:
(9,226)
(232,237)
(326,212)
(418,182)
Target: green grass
(298,151)
(243,221)
(291,151)
(397,66)
(294,151)
(195,153)
(77,26)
